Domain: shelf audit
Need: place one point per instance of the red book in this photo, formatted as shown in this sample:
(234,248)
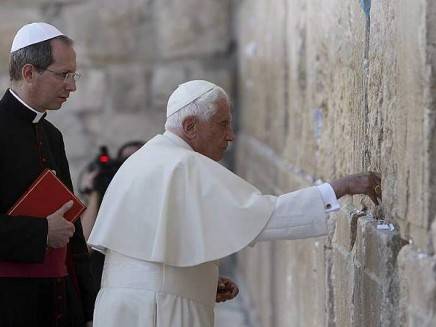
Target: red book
(46,195)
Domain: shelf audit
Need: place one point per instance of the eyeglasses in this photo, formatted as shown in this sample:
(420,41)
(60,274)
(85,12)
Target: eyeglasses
(65,76)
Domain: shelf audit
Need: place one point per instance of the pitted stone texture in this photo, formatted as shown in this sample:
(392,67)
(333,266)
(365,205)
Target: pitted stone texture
(256,265)
(377,288)
(417,273)
(192,27)
(90,94)
(344,235)
(74,132)
(165,80)
(109,31)
(343,33)
(25,3)
(117,128)
(343,277)
(167,77)
(128,81)
(11,20)
(262,63)
(398,81)
(299,295)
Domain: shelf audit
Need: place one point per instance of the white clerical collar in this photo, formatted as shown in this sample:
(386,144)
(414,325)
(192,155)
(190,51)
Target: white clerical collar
(38,116)
(178,140)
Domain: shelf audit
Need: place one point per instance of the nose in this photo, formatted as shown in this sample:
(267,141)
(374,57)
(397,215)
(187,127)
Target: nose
(70,85)
(230,135)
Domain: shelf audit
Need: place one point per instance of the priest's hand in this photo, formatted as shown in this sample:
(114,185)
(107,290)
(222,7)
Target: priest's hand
(59,229)
(365,183)
(226,290)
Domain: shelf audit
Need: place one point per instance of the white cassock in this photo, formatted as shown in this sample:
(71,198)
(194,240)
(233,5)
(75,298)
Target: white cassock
(168,216)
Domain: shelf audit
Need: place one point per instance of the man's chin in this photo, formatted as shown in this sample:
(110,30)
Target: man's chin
(55,107)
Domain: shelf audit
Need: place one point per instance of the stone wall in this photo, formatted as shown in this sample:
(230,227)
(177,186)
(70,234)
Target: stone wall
(323,89)
(339,87)
(131,55)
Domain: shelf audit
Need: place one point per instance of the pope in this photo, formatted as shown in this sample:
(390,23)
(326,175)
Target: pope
(172,211)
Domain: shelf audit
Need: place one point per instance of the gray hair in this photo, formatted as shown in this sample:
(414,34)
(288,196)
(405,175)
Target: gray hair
(39,55)
(203,108)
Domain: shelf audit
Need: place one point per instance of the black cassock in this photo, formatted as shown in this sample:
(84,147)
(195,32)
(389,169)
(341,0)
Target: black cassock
(26,149)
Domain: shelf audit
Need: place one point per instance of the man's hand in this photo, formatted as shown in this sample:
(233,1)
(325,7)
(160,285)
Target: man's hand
(366,183)
(226,290)
(59,229)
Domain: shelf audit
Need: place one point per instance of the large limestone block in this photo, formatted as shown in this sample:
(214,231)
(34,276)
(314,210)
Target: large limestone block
(376,287)
(19,4)
(110,31)
(341,282)
(76,136)
(118,128)
(400,103)
(128,89)
(262,60)
(192,27)
(256,165)
(11,20)
(90,94)
(417,288)
(166,78)
(343,31)
(256,267)
(305,65)
(299,283)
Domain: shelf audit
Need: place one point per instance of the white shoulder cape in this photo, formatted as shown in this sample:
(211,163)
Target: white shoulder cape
(172,205)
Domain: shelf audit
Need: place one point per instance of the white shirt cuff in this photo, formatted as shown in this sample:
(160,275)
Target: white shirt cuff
(331,203)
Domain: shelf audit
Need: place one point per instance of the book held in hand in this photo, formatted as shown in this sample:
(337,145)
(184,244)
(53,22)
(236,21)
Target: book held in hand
(46,195)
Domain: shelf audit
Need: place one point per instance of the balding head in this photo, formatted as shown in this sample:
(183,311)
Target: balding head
(205,121)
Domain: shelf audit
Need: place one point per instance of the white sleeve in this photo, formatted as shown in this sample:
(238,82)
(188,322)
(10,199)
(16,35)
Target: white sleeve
(283,225)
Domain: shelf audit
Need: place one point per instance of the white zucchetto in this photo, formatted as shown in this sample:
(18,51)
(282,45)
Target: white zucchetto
(187,93)
(33,33)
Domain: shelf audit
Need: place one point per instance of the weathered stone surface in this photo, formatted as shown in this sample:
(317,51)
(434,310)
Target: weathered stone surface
(90,94)
(116,129)
(192,27)
(128,81)
(11,20)
(256,265)
(398,81)
(342,281)
(299,295)
(360,96)
(261,62)
(417,273)
(167,77)
(165,80)
(75,135)
(111,32)
(376,290)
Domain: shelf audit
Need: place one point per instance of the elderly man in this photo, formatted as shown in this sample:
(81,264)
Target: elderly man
(172,211)
(44,270)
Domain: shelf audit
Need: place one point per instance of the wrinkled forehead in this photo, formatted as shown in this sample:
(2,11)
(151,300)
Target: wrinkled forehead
(224,109)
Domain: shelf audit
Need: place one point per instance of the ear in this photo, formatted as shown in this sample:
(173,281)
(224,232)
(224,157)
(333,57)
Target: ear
(189,126)
(27,72)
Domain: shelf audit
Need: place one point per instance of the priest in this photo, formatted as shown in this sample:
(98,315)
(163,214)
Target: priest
(45,278)
(172,211)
